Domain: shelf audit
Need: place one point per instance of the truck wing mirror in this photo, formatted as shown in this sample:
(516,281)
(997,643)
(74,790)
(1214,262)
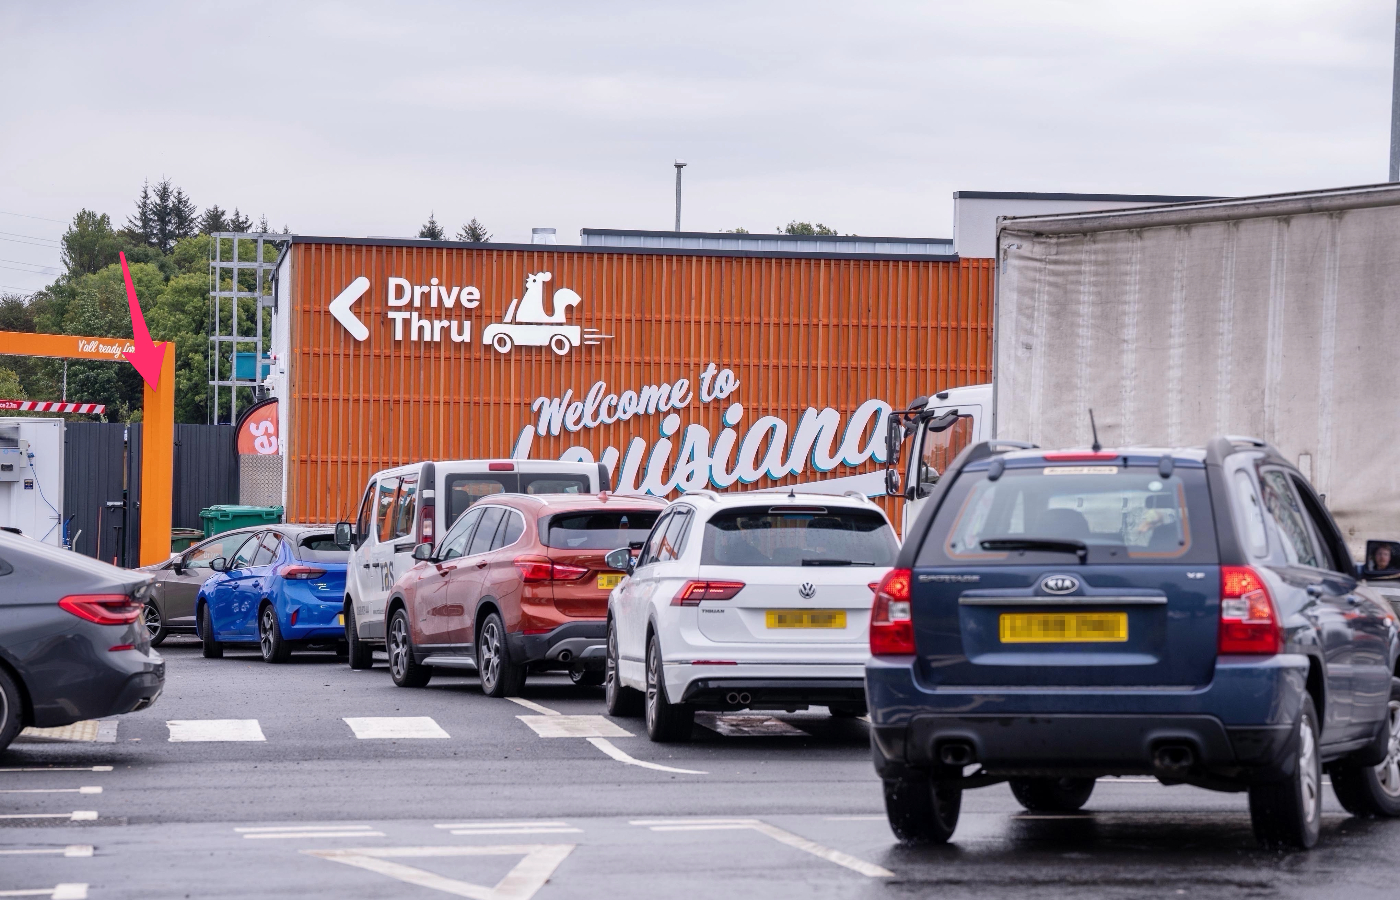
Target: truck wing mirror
(343,534)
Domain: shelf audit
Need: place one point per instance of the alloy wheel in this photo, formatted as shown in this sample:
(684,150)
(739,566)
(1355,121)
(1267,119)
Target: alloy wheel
(1388,772)
(398,647)
(269,620)
(490,655)
(152,619)
(1307,765)
(610,663)
(653,682)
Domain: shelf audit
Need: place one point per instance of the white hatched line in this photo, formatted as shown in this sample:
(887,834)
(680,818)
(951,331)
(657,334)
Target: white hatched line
(58,769)
(612,750)
(79,815)
(69,891)
(855,864)
(518,831)
(77,790)
(70,850)
(191,730)
(395,727)
(557,726)
(530,704)
(312,834)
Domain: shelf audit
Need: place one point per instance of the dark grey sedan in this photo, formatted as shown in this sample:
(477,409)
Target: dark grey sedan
(170,606)
(72,642)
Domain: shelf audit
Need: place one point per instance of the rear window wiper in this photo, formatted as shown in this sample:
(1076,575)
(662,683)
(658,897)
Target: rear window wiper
(1054,545)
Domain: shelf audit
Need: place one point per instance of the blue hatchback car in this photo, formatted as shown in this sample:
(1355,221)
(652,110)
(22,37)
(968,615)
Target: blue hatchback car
(1189,614)
(283,587)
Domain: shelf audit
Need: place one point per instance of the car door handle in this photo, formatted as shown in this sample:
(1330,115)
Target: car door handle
(1314,590)
(366,565)
(481,565)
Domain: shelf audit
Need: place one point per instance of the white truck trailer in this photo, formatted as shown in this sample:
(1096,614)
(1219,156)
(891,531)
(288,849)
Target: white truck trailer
(1276,317)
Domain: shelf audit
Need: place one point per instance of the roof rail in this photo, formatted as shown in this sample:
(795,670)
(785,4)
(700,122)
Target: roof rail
(991,448)
(703,492)
(856,495)
(1246,439)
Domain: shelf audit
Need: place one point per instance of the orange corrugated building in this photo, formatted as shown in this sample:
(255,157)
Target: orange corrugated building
(713,367)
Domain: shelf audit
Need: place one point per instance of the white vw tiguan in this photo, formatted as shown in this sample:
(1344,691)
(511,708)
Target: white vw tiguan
(746,601)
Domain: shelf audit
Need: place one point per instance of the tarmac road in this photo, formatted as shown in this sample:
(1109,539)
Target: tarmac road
(310,780)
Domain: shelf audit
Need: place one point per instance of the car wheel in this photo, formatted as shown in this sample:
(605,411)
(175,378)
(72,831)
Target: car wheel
(620,701)
(1052,794)
(922,811)
(212,649)
(274,648)
(403,668)
(1288,813)
(361,654)
(155,623)
(499,676)
(586,677)
(1374,791)
(667,722)
(11,710)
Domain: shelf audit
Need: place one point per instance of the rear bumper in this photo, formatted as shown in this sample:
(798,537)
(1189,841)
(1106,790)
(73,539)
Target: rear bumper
(1242,720)
(568,645)
(769,686)
(119,682)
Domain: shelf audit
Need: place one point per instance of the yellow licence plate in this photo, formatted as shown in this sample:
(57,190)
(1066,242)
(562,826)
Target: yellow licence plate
(608,582)
(1057,628)
(806,618)
(340,619)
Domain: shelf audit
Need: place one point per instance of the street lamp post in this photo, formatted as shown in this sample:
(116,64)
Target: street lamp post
(680,164)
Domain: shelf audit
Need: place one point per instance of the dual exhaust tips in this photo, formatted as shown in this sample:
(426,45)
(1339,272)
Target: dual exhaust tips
(738,698)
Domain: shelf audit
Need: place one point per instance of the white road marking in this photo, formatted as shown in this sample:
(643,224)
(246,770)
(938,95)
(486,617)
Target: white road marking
(535,827)
(79,815)
(77,731)
(520,883)
(395,727)
(869,870)
(557,726)
(289,832)
(71,891)
(76,790)
(106,731)
(610,749)
(257,828)
(530,704)
(855,818)
(70,850)
(59,769)
(748,726)
(188,730)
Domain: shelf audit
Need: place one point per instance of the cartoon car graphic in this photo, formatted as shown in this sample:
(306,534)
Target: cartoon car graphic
(527,324)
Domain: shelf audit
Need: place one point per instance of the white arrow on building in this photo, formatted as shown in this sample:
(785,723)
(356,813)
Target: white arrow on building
(340,308)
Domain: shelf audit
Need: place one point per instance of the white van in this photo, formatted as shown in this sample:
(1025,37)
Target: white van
(407,505)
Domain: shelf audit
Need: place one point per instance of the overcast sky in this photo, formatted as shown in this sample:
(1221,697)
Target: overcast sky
(360,119)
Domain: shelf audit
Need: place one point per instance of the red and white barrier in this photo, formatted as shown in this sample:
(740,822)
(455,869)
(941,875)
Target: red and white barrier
(95,409)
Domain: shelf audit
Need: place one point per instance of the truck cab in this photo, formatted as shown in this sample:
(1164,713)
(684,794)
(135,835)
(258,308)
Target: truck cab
(925,438)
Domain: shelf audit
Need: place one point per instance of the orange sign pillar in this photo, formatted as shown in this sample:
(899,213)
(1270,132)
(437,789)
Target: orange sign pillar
(157,417)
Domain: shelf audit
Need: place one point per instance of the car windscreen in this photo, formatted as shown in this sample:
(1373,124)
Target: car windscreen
(599,529)
(321,548)
(805,536)
(465,488)
(1053,514)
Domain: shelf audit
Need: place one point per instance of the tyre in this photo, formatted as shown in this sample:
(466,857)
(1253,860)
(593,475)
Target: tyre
(667,722)
(1288,813)
(1052,794)
(11,710)
(499,676)
(361,654)
(622,702)
(270,641)
(587,677)
(921,811)
(155,623)
(211,648)
(403,668)
(1373,792)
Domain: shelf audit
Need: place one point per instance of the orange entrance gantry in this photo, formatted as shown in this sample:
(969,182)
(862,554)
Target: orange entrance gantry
(157,417)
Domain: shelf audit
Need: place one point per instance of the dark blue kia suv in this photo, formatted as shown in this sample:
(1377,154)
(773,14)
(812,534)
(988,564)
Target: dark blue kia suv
(1189,614)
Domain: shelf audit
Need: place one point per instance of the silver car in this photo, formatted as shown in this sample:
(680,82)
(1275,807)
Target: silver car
(170,605)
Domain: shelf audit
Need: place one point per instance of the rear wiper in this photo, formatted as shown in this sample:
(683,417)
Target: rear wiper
(835,562)
(1054,545)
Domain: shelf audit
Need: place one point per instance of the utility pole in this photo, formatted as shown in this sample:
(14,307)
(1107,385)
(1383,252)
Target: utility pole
(1394,104)
(680,163)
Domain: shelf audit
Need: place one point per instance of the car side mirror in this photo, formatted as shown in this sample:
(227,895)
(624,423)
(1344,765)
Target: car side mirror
(621,559)
(218,564)
(178,565)
(1382,560)
(344,534)
(424,552)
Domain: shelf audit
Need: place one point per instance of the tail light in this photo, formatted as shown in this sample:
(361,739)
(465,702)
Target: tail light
(300,573)
(1249,621)
(692,592)
(891,626)
(103,609)
(425,525)
(538,570)
(1080,456)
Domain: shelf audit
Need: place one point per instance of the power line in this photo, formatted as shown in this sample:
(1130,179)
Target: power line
(31,271)
(32,237)
(23,216)
(27,243)
(13,287)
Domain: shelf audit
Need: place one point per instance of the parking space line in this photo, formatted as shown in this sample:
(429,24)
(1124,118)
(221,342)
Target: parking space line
(520,883)
(557,726)
(610,749)
(58,769)
(395,727)
(530,704)
(72,850)
(291,832)
(538,827)
(192,730)
(72,891)
(78,815)
(76,790)
(880,818)
(855,864)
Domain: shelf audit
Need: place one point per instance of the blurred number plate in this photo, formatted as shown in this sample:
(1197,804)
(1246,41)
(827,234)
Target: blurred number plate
(1054,628)
(340,619)
(806,618)
(608,582)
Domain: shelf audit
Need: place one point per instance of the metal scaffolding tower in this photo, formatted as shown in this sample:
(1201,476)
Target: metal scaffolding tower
(241,271)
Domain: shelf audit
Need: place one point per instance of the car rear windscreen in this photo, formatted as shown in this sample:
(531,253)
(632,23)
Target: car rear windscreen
(467,488)
(599,530)
(321,548)
(1113,514)
(798,536)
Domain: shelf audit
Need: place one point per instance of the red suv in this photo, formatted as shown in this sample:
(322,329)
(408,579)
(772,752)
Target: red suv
(517,584)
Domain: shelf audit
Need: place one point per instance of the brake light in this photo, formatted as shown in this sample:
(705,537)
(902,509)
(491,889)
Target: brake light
(425,524)
(538,570)
(1249,621)
(693,592)
(300,573)
(500,467)
(103,609)
(891,627)
(1080,456)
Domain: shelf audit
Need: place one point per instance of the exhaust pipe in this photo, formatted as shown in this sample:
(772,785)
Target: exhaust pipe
(566,655)
(1173,758)
(957,753)
(736,698)
(744,699)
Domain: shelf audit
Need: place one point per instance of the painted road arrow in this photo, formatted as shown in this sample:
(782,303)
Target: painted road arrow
(340,308)
(147,356)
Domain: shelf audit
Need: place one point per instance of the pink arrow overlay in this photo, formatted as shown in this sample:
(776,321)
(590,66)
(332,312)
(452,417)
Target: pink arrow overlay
(148,356)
